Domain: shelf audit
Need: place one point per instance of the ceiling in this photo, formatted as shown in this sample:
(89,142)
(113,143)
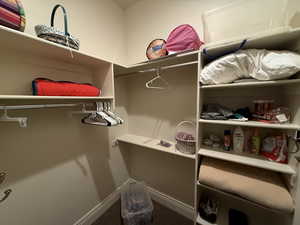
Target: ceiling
(124,4)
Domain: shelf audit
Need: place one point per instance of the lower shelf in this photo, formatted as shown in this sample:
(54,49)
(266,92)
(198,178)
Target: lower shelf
(236,197)
(152,143)
(248,160)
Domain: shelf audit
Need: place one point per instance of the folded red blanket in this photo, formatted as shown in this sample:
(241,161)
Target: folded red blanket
(46,87)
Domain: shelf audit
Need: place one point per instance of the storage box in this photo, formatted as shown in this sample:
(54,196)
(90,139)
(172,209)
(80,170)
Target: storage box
(136,205)
(242,18)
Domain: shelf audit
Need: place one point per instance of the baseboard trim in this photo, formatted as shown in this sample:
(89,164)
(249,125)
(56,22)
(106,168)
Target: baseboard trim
(167,201)
(90,217)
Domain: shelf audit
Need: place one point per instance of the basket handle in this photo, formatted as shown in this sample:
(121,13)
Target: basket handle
(65,18)
(184,122)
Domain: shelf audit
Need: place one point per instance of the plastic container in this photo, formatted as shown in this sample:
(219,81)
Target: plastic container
(136,205)
(254,17)
(238,140)
(227,140)
(255,148)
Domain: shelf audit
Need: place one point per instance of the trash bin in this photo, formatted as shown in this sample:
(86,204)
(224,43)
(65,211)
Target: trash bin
(136,205)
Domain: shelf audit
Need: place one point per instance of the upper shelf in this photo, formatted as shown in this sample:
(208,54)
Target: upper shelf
(173,59)
(273,40)
(276,39)
(29,44)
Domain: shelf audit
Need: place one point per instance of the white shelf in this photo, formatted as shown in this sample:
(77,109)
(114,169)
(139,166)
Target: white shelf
(201,221)
(183,57)
(247,159)
(33,97)
(287,126)
(252,84)
(152,144)
(274,39)
(236,197)
(29,44)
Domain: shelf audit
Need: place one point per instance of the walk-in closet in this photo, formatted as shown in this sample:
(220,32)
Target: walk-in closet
(150,112)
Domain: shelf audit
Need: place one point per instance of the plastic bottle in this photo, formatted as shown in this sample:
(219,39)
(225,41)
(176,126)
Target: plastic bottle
(227,140)
(238,140)
(255,140)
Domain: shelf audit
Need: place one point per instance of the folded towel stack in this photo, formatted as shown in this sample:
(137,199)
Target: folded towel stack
(12,14)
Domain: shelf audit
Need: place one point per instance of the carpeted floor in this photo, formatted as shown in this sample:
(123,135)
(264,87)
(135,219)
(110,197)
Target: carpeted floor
(161,216)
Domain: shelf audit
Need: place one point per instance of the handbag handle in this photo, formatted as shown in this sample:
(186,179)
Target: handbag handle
(65,18)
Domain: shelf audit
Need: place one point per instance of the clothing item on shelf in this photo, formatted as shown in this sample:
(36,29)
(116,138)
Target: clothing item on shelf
(253,184)
(219,112)
(259,64)
(12,14)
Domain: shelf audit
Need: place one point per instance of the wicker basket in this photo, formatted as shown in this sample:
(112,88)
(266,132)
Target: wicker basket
(183,145)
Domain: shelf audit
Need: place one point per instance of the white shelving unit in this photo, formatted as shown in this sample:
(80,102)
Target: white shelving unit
(152,143)
(34,57)
(286,39)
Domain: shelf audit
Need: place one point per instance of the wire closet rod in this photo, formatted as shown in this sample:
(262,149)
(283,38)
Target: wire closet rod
(161,68)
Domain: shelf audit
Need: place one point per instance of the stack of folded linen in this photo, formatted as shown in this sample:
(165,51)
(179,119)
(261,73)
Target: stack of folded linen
(12,14)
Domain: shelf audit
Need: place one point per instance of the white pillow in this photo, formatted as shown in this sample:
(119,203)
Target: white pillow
(259,64)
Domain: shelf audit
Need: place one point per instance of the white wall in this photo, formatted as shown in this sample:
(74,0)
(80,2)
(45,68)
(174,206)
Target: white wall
(155,114)
(147,20)
(58,168)
(99,24)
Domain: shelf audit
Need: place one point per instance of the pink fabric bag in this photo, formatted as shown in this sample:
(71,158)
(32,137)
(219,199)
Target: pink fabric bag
(183,38)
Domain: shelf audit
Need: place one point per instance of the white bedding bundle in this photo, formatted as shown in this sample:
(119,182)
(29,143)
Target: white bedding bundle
(259,64)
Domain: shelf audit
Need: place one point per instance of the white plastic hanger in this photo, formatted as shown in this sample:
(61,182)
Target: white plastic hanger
(150,83)
(100,111)
(21,120)
(107,109)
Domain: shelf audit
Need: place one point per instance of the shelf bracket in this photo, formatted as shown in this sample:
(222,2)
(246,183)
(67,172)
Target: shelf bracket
(21,120)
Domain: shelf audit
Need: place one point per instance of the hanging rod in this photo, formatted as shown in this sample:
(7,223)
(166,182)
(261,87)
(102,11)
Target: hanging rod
(41,106)
(12,107)
(154,69)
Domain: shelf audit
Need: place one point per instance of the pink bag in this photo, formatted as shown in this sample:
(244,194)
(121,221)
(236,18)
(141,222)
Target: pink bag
(183,38)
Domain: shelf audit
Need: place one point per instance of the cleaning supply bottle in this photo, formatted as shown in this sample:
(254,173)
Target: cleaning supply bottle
(238,140)
(227,140)
(255,141)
